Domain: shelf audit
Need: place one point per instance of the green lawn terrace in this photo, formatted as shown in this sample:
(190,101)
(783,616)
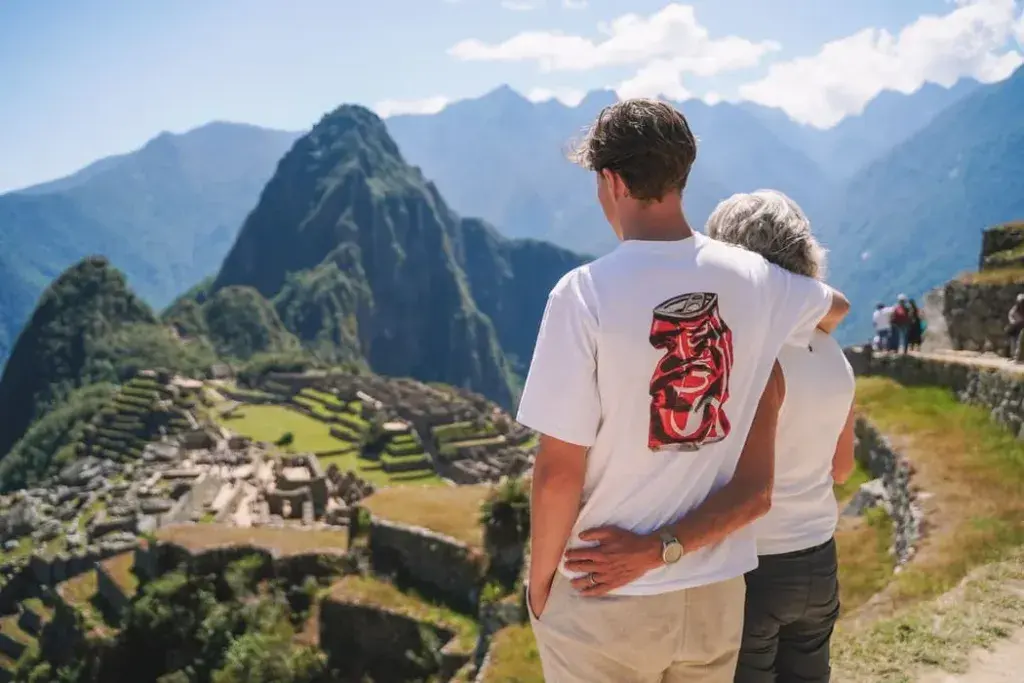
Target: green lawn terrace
(461,435)
(150,406)
(289,430)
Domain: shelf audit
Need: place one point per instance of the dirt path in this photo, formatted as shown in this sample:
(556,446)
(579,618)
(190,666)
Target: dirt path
(985,360)
(1004,663)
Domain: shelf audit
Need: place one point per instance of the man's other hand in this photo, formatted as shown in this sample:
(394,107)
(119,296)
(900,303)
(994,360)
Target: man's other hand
(619,558)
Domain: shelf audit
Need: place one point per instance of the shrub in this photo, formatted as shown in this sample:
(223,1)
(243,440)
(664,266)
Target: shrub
(286,439)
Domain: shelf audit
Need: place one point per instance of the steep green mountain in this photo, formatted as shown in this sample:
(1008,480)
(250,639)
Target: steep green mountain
(363,259)
(88,327)
(502,157)
(237,321)
(510,281)
(166,213)
(913,219)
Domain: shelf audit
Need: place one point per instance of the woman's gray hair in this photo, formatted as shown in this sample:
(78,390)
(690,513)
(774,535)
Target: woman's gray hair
(773,225)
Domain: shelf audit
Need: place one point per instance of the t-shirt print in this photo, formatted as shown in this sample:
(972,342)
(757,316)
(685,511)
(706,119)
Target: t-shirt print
(690,386)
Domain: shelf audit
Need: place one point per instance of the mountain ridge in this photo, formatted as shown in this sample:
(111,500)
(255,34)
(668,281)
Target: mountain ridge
(345,208)
(164,213)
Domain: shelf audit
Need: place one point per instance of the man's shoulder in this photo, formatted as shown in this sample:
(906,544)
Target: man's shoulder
(573,280)
(731,257)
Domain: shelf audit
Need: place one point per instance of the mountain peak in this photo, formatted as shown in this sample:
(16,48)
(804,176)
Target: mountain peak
(598,99)
(504,94)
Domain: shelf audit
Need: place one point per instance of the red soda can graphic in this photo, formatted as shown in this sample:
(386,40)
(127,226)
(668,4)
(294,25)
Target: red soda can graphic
(690,386)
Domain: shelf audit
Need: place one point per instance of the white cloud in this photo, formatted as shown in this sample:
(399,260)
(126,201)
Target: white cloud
(574,4)
(567,96)
(428,105)
(671,34)
(846,74)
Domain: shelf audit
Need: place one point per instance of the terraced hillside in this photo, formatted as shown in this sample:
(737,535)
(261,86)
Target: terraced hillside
(386,430)
(143,410)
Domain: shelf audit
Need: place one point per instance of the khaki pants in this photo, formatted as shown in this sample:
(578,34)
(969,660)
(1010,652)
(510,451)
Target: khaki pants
(687,636)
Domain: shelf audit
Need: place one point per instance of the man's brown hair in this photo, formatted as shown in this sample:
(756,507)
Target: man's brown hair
(648,143)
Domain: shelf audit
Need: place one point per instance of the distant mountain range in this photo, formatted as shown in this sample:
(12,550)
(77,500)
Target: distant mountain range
(898,194)
(350,257)
(165,214)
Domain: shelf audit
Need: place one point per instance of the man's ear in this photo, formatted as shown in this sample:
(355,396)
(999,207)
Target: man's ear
(616,184)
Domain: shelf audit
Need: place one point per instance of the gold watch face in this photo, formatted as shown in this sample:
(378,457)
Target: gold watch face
(671,551)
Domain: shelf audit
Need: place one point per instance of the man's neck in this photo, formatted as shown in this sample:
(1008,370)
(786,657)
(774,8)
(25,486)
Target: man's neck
(658,222)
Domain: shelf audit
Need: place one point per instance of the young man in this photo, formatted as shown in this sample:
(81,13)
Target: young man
(648,369)
(882,319)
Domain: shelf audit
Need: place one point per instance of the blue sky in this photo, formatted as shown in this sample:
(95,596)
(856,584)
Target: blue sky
(83,79)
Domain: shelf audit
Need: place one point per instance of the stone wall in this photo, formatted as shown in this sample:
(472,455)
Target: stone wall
(194,500)
(360,639)
(875,452)
(163,557)
(110,591)
(975,314)
(1000,392)
(439,566)
(999,239)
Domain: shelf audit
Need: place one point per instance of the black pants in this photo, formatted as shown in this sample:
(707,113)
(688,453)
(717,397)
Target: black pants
(792,606)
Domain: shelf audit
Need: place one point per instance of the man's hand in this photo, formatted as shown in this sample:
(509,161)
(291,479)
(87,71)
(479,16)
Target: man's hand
(620,558)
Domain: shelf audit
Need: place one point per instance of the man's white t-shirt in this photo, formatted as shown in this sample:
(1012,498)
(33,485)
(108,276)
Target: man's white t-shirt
(882,318)
(819,392)
(654,357)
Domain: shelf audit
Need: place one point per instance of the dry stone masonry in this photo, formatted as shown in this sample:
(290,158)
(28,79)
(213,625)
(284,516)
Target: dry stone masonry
(891,488)
(975,306)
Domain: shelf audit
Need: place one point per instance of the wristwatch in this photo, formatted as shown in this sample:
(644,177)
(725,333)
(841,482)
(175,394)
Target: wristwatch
(671,548)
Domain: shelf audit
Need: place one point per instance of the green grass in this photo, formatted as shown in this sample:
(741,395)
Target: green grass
(451,510)
(865,565)
(9,627)
(974,470)
(268,422)
(859,477)
(120,569)
(999,276)
(938,634)
(323,397)
(514,657)
(39,607)
(370,591)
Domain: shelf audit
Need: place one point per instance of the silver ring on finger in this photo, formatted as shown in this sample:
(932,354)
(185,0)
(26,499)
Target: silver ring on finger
(590,577)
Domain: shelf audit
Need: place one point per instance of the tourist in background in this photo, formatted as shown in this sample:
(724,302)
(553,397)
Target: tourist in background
(915,333)
(1016,326)
(882,319)
(900,322)
(646,379)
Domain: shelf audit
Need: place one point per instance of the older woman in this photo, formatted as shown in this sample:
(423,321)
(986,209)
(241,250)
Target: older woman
(793,595)
(805,418)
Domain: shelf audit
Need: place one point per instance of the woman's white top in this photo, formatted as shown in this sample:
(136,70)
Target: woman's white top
(819,392)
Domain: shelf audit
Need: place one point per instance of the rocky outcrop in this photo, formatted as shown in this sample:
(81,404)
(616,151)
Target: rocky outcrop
(975,314)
